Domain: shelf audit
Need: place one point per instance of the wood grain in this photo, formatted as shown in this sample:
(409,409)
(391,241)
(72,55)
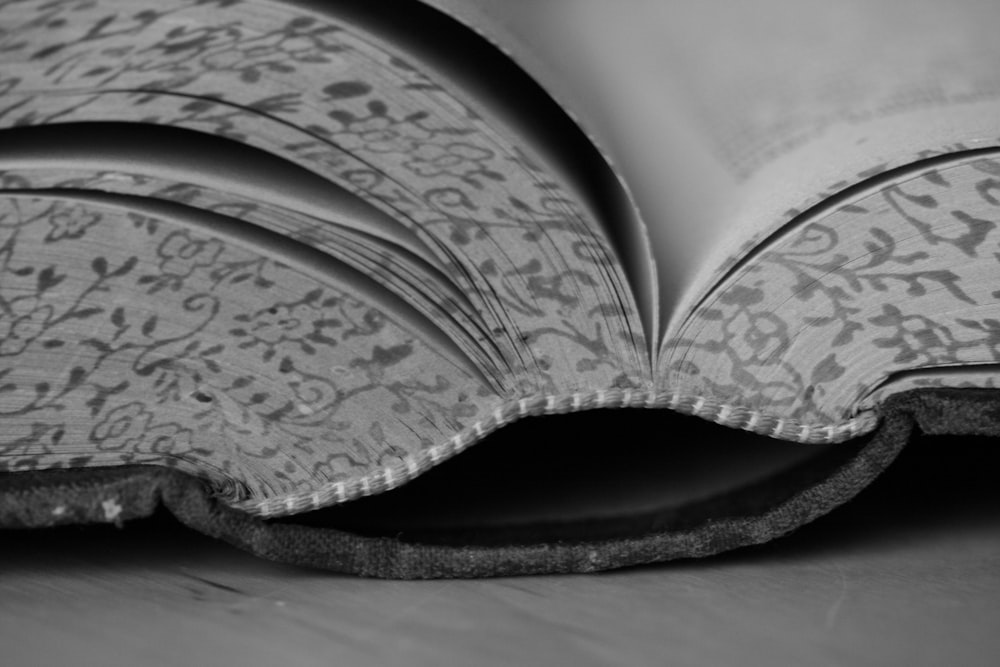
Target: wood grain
(909,573)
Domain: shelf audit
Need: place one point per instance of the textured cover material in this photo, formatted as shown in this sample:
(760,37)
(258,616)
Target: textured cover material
(748,516)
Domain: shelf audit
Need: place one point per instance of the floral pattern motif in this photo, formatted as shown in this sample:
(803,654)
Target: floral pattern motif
(304,325)
(184,349)
(205,375)
(21,321)
(787,332)
(122,428)
(70,222)
(299,83)
(380,134)
(456,159)
(181,254)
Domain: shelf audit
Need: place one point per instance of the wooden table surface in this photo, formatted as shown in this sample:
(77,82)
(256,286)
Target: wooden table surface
(909,573)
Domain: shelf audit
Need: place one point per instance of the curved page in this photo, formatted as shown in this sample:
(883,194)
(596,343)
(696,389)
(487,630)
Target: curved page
(728,119)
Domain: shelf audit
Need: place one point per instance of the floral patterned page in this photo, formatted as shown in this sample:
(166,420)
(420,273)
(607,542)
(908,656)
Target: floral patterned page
(151,334)
(218,164)
(818,179)
(290,347)
(729,119)
(893,289)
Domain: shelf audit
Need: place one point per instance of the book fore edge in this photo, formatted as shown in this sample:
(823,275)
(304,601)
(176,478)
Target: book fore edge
(413,465)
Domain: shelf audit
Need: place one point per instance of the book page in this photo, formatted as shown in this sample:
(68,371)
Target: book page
(728,119)
(358,172)
(224,165)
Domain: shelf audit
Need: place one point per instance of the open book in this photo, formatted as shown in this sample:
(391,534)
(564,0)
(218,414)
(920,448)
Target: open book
(307,251)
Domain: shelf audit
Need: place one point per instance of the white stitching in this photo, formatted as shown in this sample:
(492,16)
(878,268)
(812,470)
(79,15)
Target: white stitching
(723,416)
(415,464)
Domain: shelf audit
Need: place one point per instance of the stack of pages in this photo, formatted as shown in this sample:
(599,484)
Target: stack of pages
(300,253)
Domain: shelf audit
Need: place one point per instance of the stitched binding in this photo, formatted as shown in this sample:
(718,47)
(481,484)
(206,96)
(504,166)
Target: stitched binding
(732,416)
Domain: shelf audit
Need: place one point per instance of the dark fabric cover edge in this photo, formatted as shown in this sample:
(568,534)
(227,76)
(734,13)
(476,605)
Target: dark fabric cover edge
(118,495)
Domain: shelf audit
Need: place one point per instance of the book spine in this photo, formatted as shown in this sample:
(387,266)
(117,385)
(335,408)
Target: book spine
(410,467)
